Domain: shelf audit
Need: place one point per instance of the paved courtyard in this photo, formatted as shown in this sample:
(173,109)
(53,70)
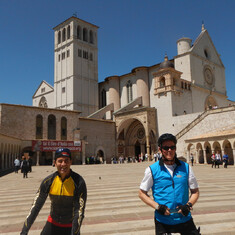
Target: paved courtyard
(113,206)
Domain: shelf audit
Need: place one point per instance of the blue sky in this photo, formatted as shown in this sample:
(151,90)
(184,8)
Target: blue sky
(132,33)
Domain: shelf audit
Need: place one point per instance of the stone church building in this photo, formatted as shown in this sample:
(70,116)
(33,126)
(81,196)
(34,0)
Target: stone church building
(124,115)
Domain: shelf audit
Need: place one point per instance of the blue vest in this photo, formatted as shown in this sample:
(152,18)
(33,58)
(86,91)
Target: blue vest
(170,191)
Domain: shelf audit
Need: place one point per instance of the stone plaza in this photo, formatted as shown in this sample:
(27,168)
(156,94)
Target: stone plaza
(113,206)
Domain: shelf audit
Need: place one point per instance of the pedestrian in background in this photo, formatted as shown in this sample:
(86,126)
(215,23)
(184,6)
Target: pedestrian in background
(17,165)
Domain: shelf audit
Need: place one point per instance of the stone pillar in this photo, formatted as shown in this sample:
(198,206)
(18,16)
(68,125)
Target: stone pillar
(204,155)
(38,153)
(83,152)
(114,92)
(148,147)
(188,156)
(143,85)
(197,156)
(142,149)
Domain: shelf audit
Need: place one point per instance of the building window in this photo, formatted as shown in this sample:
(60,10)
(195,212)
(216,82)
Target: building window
(79,32)
(68,32)
(59,37)
(42,89)
(103,98)
(162,82)
(129,91)
(51,134)
(63,128)
(85,36)
(63,55)
(39,126)
(63,35)
(91,57)
(91,37)
(79,53)
(63,89)
(85,54)
(68,53)
(43,102)
(59,58)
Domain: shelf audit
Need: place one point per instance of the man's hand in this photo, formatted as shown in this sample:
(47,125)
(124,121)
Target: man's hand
(163,210)
(184,209)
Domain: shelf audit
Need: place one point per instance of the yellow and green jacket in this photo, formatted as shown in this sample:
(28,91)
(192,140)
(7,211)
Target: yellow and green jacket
(68,200)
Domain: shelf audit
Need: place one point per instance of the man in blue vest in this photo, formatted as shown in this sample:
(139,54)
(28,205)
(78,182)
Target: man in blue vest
(170,180)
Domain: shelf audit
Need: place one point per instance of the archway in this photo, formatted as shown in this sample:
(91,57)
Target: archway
(210,103)
(99,157)
(228,150)
(208,151)
(199,150)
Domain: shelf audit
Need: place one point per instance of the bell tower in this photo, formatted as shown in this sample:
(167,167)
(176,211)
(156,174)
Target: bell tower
(76,66)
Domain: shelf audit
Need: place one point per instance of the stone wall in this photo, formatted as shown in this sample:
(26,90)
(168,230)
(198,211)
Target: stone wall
(99,135)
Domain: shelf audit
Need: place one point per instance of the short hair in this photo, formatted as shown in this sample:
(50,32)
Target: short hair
(165,137)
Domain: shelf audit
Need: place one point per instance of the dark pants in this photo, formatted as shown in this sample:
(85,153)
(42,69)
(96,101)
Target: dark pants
(187,228)
(51,229)
(225,163)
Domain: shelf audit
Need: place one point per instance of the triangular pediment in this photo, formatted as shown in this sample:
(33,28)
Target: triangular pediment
(43,88)
(204,47)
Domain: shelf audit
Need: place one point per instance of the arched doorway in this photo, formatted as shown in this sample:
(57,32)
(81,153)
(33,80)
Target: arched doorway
(228,150)
(100,157)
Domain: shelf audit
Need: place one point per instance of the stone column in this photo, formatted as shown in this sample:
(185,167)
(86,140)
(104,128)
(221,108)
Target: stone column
(148,147)
(204,155)
(197,156)
(83,152)
(38,153)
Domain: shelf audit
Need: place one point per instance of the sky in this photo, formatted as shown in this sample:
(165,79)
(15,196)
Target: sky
(131,33)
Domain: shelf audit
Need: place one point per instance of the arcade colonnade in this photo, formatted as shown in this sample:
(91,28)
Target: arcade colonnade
(10,148)
(203,149)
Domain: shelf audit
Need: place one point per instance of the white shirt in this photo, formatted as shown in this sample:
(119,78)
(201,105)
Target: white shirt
(147,181)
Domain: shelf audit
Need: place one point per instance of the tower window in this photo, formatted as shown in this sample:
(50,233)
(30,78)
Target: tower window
(68,32)
(85,36)
(162,82)
(63,89)
(43,90)
(63,55)
(85,54)
(58,57)
(79,32)
(63,35)
(68,53)
(59,37)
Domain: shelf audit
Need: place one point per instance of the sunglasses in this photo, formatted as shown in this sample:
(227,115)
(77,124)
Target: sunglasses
(173,147)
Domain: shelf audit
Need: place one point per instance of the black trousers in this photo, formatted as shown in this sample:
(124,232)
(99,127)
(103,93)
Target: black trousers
(187,228)
(51,229)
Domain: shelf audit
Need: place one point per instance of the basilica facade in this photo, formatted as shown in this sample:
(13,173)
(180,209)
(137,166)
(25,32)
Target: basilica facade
(184,95)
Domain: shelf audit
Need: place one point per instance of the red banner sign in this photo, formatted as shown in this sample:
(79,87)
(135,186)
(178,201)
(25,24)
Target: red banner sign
(53,145)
